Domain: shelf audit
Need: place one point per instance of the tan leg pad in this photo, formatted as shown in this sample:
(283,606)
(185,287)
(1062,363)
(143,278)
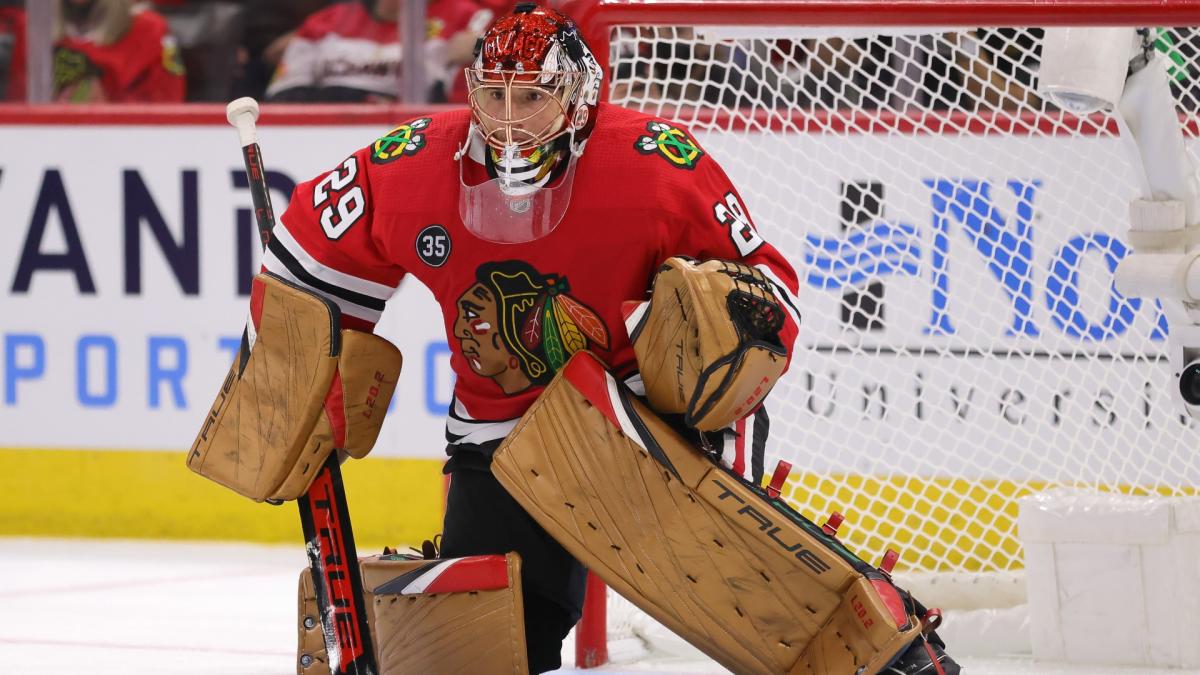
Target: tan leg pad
(311,657)
(860,634)
(261,437)
(458,615)
(462,615)
(745,579)
(368,370)
(305,388)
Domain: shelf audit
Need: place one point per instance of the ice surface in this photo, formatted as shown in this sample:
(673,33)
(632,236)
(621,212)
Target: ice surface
(171,608)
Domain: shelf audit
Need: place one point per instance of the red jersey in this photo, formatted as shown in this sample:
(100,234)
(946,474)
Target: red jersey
(643,191)
(142,66)
(12,40)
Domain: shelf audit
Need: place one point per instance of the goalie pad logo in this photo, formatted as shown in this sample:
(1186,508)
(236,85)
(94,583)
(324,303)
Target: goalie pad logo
(405,140)
(518,326)
(761,521)
(671,143)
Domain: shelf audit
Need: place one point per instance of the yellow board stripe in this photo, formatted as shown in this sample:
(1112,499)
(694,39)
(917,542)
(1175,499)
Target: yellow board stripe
(110,493)
(936,524)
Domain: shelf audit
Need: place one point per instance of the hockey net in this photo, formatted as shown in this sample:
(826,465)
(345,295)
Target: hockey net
(955,235)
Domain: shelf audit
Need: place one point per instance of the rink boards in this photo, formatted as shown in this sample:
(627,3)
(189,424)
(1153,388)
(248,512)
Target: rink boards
(126,248)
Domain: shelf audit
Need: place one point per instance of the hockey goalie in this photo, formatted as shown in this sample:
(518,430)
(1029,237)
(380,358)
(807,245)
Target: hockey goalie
(615,323)
(626,473)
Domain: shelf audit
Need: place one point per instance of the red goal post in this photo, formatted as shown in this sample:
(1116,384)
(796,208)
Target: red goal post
(997,217)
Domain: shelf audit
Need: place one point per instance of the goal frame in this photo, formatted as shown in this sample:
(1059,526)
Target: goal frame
(600,16)
(597,18)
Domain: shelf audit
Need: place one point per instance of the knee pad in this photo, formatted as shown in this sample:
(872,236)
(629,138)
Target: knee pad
(459,615)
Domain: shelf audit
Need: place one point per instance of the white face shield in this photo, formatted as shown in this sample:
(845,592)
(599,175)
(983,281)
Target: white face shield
(501,212)
(518,113)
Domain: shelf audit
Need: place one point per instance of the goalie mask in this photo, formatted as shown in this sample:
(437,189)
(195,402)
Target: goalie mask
(533,91)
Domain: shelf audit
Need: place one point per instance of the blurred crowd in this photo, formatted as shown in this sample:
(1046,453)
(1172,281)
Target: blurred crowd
(350,50)
(215,50)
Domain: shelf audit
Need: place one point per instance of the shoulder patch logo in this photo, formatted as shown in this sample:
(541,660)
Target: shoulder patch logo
(433,245)
(671,143)
(406,139)
(172,60)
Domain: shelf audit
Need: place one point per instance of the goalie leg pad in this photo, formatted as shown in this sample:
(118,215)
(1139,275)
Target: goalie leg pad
(304,388)
(461,615)
(457,615)
(311,656)
(742,577)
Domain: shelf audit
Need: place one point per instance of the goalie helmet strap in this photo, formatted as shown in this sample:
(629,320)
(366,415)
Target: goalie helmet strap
(537,168)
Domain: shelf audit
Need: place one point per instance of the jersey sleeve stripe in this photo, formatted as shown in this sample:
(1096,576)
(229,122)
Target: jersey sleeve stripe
(459,433)
(782,292)
(323,272)
(304,276)
(462,428)
(272,264)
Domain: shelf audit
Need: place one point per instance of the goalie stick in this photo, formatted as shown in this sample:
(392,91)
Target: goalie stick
(324,517)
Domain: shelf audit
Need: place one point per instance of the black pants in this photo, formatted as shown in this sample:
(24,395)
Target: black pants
(482,518)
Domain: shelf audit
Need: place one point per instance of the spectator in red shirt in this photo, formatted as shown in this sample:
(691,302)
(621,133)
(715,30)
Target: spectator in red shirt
(267,28)
(350,51)
(572,8)
(110,50)
(12,50)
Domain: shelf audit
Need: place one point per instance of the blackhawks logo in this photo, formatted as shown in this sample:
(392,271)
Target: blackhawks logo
(172,60)
(518,326)
(405,139)
(673,144)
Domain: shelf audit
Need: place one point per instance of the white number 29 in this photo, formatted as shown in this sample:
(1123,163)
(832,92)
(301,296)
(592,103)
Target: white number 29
(731,214)
(335,220)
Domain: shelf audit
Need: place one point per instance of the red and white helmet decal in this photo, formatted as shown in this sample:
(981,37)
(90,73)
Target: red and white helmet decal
(533,80)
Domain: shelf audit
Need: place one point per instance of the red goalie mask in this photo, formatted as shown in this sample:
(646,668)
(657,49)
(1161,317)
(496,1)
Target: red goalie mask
(532,81)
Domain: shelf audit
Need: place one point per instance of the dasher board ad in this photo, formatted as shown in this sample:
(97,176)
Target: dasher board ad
(126,254)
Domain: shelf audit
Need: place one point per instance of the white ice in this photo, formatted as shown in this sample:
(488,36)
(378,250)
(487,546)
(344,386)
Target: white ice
(170,608)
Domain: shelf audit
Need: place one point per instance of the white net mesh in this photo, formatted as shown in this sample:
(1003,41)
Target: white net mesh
(962,342)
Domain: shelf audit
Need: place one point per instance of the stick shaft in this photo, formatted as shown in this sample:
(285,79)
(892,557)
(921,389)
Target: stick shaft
(329,541)
(264,215)
(324,515)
